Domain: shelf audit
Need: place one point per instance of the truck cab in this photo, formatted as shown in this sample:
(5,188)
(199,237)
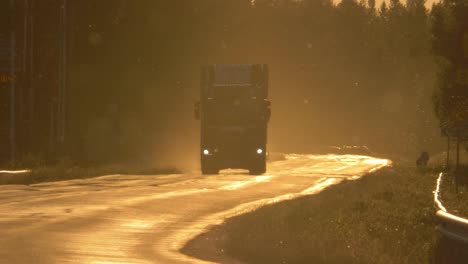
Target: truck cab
(234,112)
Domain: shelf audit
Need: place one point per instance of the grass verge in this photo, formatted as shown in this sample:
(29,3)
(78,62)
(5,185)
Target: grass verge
(66,171)
(384,217)
(455,198)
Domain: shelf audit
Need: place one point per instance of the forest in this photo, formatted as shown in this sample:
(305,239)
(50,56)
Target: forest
(351,73)
(450,47)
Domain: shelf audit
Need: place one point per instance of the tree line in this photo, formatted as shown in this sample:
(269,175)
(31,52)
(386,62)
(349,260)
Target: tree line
(346,73)
(450,46)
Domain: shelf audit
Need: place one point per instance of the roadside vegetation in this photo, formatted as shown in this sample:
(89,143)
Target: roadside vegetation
(66,169)
(453,190)
(455,198)
(385,217)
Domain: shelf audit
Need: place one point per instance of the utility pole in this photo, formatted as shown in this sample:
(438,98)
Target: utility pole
(62,109)
(12,82)
(64,71)
(30,71)
(62,96)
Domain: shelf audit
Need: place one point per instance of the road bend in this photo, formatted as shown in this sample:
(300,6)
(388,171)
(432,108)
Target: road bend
(147,219)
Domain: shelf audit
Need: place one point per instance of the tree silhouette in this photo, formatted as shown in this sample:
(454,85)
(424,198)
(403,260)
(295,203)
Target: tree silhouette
(320,55)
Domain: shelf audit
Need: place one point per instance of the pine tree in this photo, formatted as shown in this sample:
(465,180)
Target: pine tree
(383,11)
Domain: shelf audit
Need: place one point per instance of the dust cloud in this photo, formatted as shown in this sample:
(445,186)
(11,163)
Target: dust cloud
(341,74)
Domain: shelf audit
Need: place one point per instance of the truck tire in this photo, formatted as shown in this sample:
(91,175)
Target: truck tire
(208,169)
(258,168)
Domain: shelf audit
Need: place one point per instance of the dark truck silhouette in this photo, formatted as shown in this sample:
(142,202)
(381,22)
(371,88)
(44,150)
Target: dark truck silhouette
(234,112)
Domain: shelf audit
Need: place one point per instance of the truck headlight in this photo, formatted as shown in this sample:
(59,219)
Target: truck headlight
(206,152)
(259,151)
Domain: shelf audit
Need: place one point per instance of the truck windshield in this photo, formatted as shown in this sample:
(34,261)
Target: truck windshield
(232,74)
(234,106)
(234,111)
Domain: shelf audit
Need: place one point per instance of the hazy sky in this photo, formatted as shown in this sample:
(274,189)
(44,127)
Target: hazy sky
(378,2)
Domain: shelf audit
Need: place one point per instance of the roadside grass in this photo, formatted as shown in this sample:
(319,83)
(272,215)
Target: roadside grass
(65,169)
(455,198)
(384,217)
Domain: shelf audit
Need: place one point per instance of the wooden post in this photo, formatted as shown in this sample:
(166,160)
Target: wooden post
(457,172)
(447,165)
(458,151)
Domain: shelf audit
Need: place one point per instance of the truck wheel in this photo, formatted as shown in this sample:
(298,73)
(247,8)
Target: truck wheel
(208,169)
(258,169)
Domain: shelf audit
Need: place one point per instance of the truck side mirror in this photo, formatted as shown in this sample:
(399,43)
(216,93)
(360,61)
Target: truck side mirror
(197,110)
(267,111)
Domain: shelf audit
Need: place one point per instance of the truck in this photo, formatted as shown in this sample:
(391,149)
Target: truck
(234,111)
